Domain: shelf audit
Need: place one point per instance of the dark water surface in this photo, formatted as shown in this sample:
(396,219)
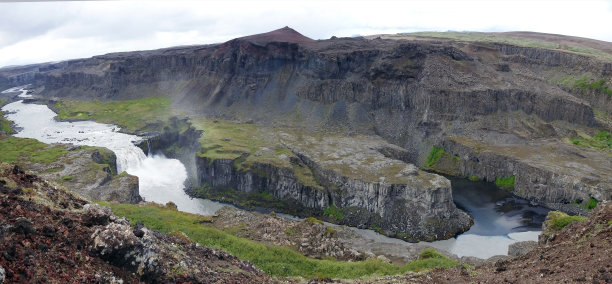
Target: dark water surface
(496,211)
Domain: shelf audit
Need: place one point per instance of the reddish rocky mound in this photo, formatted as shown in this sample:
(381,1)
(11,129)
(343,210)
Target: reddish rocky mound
(45,237)
(285,34)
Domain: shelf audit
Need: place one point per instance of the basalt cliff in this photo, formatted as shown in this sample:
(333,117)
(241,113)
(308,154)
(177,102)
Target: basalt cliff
(534,119)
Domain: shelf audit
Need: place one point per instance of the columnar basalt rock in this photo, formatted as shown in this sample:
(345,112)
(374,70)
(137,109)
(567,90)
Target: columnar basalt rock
(421,210)
(561,175)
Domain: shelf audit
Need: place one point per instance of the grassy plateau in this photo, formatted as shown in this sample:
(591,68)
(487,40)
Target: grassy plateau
(132,114)
(14,149)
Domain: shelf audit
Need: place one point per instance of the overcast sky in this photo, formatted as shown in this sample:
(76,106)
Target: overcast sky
(51,31)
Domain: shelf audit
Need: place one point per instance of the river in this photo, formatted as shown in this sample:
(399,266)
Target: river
(160,179)
(499,218)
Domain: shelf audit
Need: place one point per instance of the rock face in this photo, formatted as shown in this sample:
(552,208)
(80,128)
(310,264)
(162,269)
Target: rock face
(92,173)
(417,211)
(309,236)
(521,248)
(153,256)
(418,82)
(545,172)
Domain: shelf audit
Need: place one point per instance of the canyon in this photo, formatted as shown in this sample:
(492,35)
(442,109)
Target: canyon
(359,126)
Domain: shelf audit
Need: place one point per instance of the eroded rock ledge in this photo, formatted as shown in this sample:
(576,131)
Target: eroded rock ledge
(345,180)
(549,172)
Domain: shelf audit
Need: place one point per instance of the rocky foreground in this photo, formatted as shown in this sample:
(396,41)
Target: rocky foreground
(49,235)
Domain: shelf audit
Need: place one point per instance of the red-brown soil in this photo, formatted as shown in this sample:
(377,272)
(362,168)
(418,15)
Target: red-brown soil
(46,237)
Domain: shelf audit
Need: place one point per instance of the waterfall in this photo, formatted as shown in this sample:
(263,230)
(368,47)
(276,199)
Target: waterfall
(129,158)
(159,179)
(149,148)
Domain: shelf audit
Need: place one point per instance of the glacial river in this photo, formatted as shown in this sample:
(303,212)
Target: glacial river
(160,179)
(499,218)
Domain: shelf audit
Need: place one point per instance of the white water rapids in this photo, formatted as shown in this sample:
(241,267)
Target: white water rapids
(160,179)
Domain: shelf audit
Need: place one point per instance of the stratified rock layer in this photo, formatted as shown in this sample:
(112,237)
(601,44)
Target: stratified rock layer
(415,93)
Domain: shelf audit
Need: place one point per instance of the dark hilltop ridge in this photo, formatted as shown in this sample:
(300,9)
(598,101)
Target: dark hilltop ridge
(361,125)
(285,34)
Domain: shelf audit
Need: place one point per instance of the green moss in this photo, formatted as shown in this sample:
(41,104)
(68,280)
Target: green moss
(15,149)
(333,212)
(331,231)
(591,204)
(435,155)
(602,140)
(67,178)
(247,144)
(585,84)
(562,221)
(5,125)
(313,220)
(273,260)
(430,253)
(474,178)
(132,114)
(506,183)
(289,231)
(54,170)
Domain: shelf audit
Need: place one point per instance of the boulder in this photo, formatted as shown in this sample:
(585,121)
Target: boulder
(521,248)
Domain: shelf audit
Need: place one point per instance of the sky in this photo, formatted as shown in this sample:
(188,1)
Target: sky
(32,32)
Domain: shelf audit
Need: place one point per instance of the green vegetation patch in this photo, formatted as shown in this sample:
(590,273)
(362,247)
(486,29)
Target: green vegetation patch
(591,204)
(586,82)
(601,140)
(132,114)
(229,140)
(597,85)
(67,178)
(274,260)
(506,183)
(313,220)
(5,125)
(434,156)
(474,178)
(247,144)
(557,220)
(333,212)
(561,222)
(14,149)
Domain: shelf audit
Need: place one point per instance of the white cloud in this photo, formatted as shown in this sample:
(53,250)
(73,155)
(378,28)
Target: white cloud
(38,32)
